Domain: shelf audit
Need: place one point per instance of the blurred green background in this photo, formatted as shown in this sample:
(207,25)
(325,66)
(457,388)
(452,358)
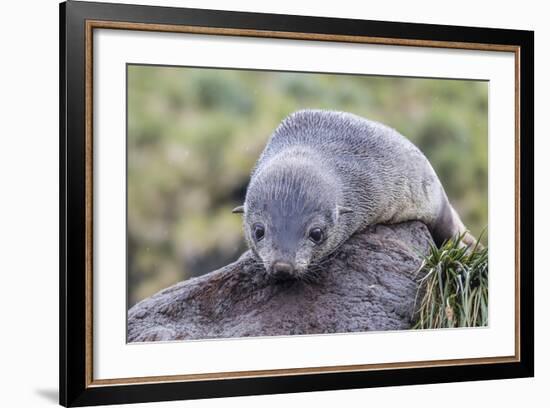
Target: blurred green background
(194,135)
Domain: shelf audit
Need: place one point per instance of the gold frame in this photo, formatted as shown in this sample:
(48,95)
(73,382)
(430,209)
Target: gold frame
(99,24)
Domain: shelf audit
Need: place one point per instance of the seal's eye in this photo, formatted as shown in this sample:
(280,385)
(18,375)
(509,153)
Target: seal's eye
(259,231)
(316,235)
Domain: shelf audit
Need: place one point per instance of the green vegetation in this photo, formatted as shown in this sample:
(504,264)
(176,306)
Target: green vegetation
(454,289)
(194,135)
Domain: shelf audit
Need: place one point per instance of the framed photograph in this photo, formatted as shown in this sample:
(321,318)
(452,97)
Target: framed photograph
(256,203)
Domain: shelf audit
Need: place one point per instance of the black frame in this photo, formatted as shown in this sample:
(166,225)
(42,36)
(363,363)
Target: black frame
(73,390)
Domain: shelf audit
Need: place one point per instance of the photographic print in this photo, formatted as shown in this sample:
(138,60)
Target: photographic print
(259,204)
(273,203)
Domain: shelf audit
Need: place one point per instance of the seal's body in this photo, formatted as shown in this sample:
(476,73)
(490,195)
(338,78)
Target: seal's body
(326,175)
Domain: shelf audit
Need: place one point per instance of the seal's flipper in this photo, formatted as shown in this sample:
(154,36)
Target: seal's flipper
(448,226)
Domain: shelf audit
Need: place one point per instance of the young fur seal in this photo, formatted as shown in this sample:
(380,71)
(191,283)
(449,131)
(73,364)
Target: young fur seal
(324,176)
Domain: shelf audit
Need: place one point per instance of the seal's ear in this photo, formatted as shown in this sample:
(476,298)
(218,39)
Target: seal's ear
(343,210)
(238,210)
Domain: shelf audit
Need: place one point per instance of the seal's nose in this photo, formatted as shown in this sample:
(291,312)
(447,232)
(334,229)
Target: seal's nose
(282,270)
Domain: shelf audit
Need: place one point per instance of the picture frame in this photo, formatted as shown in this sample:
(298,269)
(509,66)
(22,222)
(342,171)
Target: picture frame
(79,23)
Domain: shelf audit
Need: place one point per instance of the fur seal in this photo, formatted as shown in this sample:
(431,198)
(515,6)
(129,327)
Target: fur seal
(325,175)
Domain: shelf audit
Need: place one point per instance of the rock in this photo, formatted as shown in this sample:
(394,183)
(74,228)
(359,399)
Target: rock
(370,284)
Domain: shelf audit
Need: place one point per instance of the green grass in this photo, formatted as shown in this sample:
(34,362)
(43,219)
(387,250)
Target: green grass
(453,287)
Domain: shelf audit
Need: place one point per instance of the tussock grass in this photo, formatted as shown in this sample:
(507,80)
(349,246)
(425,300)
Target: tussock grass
(454,286)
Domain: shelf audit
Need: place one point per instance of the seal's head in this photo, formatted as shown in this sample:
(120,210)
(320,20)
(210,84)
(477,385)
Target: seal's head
(291,218)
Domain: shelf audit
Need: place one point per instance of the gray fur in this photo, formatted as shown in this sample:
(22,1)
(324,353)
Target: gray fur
(317,166)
